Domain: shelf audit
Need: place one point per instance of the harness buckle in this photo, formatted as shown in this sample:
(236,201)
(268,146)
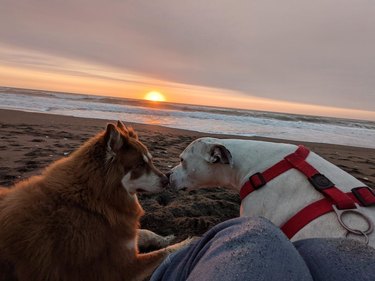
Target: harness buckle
(258,182)
(365,195)
(358,211)
(320,182)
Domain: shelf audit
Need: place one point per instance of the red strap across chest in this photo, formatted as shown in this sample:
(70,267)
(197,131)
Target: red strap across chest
(332,194)
(308,214)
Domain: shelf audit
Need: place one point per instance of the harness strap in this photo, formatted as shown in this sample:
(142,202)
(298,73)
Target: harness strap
(308,214)
(319,181)
(258,180)
(363,195)
(297,160)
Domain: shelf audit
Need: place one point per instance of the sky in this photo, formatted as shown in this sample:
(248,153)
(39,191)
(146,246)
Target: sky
(299,56)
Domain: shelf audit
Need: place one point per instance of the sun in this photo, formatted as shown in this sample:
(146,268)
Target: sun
(154,96)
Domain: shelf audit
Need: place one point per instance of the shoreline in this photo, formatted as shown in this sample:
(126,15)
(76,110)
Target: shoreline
(4,113)
(33,91)
(201,118)
(31,141)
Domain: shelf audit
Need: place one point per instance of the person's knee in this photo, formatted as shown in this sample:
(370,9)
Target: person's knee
(337,258)
(253,226)
(254,229)
(248,248)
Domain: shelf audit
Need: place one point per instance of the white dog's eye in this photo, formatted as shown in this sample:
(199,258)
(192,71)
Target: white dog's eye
(216,160)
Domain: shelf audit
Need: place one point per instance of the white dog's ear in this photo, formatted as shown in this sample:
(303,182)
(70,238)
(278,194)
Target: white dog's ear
(219,154)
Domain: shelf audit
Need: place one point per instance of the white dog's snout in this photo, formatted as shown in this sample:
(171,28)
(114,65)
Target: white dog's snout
(173,179)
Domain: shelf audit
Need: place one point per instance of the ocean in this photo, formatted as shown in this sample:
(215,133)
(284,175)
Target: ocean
(197,118)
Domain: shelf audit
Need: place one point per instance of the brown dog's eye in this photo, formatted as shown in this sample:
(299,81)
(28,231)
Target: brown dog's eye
(181,160)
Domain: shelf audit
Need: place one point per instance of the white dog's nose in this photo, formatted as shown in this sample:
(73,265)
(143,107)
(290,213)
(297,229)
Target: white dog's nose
(170,179)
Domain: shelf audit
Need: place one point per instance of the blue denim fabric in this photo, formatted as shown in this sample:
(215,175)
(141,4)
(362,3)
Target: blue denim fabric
(237,249)
(337,259)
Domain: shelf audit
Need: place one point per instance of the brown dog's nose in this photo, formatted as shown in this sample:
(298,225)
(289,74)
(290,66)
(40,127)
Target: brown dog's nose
(164,180)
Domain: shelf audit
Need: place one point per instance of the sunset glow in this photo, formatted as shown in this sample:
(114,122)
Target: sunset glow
(266,63)
(154,96)
(59,74)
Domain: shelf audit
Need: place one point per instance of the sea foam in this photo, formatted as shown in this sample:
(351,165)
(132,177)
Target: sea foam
(196,118)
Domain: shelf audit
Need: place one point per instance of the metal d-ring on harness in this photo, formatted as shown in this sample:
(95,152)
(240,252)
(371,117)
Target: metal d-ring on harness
(357,211)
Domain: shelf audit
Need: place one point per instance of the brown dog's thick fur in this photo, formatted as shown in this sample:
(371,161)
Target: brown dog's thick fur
(76,221)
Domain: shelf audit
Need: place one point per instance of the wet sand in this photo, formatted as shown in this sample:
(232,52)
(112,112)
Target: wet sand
(31,141)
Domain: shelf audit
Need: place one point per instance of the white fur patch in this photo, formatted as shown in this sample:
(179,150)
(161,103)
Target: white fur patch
(149,182)
(145,158)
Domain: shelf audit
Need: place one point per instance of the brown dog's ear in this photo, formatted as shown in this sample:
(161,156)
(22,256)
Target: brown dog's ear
(129,131)
(132,133)
(219,154)
(113,138)
(121,125)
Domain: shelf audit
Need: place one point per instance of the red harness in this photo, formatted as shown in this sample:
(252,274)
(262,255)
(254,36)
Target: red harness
(333,196)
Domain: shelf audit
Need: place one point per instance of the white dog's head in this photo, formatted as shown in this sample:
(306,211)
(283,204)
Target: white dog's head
(204,163)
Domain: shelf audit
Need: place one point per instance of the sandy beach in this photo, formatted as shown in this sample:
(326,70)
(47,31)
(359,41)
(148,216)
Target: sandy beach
(31,141)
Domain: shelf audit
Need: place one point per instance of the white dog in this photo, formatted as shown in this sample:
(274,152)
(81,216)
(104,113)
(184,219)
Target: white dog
(281,192)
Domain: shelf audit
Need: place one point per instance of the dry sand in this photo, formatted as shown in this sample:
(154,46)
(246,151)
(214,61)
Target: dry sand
(31,141)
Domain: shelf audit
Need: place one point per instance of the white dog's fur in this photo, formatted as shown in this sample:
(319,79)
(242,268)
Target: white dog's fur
(210,162)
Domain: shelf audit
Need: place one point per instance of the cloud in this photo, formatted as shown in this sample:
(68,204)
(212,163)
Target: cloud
(317,52)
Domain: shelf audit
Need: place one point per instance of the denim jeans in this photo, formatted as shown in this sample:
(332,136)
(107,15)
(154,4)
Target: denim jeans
(255,249)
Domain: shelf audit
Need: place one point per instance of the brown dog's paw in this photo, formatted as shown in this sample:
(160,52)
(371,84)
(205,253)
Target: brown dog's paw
(167,240)
(180,245)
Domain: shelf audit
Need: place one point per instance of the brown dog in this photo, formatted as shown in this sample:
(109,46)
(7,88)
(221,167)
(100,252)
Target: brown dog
(79,220)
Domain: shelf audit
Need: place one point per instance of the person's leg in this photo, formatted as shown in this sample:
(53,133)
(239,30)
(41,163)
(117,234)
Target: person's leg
(238,249)
(338,259)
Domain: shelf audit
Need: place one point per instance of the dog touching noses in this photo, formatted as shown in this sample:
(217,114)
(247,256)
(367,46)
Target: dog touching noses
(170,175)
(165,180)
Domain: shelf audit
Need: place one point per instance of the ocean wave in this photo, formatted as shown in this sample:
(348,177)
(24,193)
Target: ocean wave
(197,118)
